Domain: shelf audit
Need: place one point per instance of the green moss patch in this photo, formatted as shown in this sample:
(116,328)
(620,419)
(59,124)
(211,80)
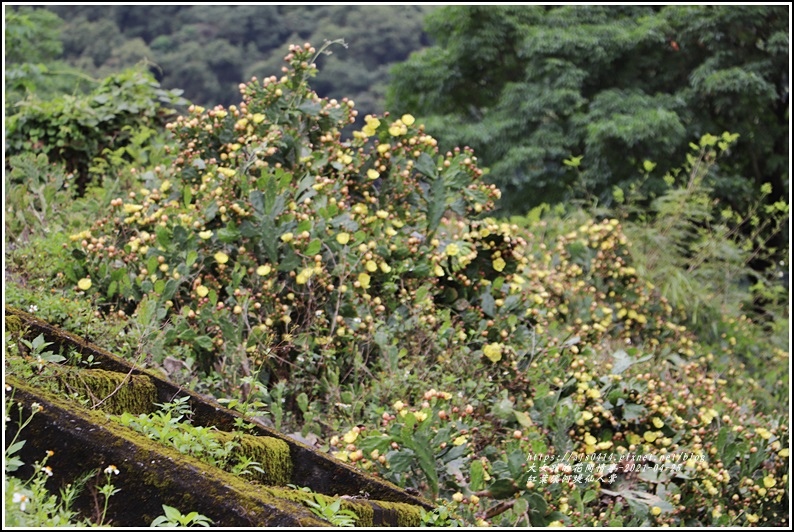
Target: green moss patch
(272,454)
(111,391)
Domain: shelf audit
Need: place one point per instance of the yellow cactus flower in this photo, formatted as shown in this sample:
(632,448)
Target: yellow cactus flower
(363,280)
(263,270)
(373,174)
(351,435)
(397,129)
(372,125)
(221,257)
(493,352)
(130,208)
(205,235)
(452,250)
(304,276)
(408,120)
(286,237)
(499,264)
(764,433)
(202,291)
(341,455)
(84,284)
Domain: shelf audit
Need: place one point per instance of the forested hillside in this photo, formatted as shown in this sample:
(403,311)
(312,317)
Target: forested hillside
(569,101)
(543,283)
(209,50)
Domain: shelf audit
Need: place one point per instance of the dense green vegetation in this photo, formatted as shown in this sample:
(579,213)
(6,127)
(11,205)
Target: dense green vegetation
(347,271)
(532,87)
(207,51)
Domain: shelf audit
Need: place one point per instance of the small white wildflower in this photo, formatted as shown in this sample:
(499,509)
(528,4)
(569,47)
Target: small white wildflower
(111,469)
(33,308)
(20,499)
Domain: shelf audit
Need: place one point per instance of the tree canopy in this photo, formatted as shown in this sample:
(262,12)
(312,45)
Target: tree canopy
(209,50)
(604,88)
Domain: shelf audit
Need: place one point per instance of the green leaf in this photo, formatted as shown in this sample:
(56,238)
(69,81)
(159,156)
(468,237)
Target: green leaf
(163,236)
(633,412)
(488,304)
(210,211)
(523,419)
(303,402)
(229,233)
(426,166)
(537,503)
(204,342)
(427,463)
(314,247)
(289,262)
(476,476)
(257,202)
(249,230)
(402,460)
(15,447)
(170,289)
(172,513)
(436,204)
(310,108)
(503,488)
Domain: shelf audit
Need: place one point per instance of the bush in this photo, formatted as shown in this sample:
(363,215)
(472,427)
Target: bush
(336,279)
(77,129)
(272,240)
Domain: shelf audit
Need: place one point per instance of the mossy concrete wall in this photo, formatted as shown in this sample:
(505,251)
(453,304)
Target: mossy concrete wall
(90,439)
(150,474)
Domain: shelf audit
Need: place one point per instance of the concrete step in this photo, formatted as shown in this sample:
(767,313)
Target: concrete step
(77,423)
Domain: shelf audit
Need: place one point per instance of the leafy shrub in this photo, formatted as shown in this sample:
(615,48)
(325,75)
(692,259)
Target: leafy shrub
(77,129)
(270,228)
(337,279)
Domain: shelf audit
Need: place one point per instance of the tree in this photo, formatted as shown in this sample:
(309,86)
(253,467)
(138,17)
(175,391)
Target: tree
(233,43)
(32,51)
(532,87)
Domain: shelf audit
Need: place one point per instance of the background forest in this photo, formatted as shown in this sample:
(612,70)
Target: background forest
(564,227)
